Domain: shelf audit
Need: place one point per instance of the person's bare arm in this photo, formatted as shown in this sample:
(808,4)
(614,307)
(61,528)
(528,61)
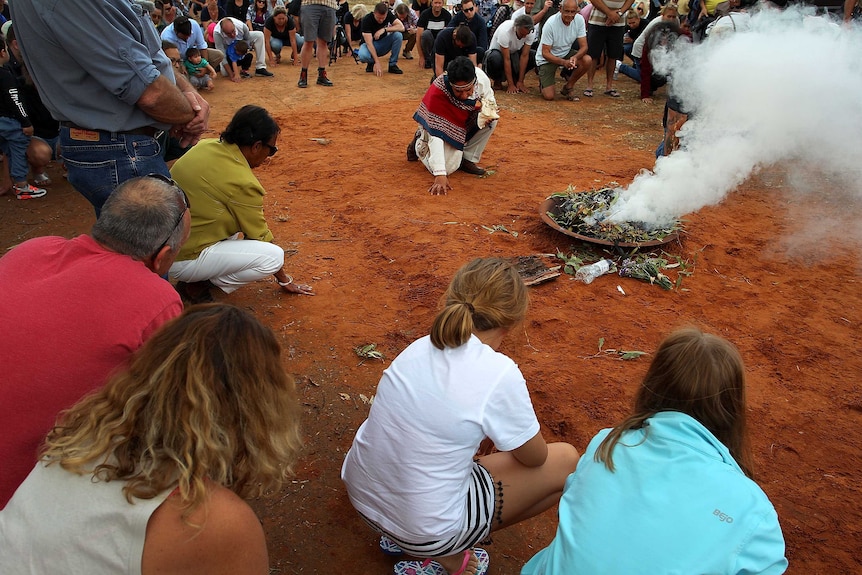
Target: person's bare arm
(421,60)
(511,88)
(848,9)
(533,453)
(164,102)
(522,66)
(396,26)
(369,44)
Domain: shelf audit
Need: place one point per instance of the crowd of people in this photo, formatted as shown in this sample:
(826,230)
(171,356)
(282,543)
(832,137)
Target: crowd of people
(145,424)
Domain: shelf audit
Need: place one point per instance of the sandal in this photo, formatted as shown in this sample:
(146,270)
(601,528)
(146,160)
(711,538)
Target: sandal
(569,94)
(588,92)
(612,93)
(389,547)
(431,567)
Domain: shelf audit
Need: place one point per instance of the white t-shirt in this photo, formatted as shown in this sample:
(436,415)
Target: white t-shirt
(409,467)
(638,46)
(506,37)
(560,37)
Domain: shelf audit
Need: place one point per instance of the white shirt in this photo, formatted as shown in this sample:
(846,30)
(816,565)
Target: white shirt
(560,37)
(409,467)
(638,46)
(506,37)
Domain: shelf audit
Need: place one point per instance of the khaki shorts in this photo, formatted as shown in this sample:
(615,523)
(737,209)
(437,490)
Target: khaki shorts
(548,72)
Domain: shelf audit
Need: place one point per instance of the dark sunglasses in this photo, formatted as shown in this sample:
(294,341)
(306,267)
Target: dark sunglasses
(468,9)
(272,149)
(186,206)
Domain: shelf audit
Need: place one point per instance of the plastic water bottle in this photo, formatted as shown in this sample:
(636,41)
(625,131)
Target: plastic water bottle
(588,273)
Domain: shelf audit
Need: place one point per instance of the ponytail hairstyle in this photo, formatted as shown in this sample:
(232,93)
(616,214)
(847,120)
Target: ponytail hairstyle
(701,375)
(486,293)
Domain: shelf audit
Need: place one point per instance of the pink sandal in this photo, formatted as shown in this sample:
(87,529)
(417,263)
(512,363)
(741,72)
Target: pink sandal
(431,567)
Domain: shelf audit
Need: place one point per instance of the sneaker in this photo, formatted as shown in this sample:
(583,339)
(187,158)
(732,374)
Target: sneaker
(394,69)
(322,79)
(244,74)
(407,56)
(389,547)
(263,72)
(303,80)
(28,192)
(369,67)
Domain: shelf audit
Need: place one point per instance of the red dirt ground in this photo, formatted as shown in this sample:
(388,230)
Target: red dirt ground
(773,271)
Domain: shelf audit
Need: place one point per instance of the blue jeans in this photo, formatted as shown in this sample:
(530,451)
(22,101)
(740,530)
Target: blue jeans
(14,142)
(633,72)
(389,43)
(97,167)
(277,45)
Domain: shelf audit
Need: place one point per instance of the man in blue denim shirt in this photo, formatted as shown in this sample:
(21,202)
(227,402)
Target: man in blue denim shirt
(113,92)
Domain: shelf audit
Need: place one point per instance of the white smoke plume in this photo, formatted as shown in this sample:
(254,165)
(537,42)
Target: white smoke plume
(788,90)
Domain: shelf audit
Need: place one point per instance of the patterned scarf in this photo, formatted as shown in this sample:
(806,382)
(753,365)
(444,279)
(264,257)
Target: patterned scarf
(445,116)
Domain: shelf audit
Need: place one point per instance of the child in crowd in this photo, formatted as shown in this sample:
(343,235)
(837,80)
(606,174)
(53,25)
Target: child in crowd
(199,71)
(669,489)
(237,60)
(16,129)
(421,469)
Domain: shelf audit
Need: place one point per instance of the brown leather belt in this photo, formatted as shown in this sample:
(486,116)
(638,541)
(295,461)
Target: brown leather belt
(145,131)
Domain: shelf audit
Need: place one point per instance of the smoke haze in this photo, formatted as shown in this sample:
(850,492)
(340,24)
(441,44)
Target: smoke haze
(787,90)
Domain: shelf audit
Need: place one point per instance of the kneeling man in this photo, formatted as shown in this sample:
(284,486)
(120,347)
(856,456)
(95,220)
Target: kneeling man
(456,118)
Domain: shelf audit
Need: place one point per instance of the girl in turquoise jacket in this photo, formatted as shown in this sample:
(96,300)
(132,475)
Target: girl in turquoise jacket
(670,490)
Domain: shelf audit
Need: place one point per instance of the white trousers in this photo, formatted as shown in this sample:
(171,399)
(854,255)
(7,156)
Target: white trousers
(231,263)
(452,156)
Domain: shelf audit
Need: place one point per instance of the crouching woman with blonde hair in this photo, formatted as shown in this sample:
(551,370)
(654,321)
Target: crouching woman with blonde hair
(147,474)
(413,472)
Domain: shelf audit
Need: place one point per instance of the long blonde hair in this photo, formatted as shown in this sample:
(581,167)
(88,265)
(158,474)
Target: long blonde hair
(484,294)
(205,399)
(701,375)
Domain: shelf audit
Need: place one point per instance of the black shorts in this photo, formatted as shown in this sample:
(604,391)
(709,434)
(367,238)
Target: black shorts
(607,39)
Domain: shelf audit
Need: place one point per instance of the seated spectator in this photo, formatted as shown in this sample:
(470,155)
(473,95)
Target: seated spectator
(451,43)
(83,306)
(556,49)
(213,11)
(420,6)
(352,22)
(510,57)
(199,71)
(452,132)
(43,146)
(677,472)
(279,31)
(469,16)
(421,470)
(230,30)
(237,9)
(669,13)
(16,130)
(230,243)
(187,33)
(258,14)
(430,22)
(408,20)
(635,25)
(148,474)
(381,34)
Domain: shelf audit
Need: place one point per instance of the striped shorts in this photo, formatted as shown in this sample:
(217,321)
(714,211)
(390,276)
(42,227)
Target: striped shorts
(483,507)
